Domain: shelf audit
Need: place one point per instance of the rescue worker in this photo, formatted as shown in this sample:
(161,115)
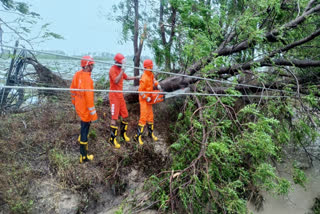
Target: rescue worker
(117,103)
(147,83)
(83,102)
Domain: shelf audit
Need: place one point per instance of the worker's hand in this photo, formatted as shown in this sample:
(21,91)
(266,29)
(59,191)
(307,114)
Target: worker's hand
(123,65)
(159,87)
(148,99)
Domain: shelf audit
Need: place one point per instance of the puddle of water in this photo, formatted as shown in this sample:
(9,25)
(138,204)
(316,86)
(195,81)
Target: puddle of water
(299,200)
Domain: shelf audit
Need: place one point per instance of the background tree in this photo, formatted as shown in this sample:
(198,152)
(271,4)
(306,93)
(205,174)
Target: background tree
(21,24)
(164,36)
(21,7)
(131,19)
(159,21)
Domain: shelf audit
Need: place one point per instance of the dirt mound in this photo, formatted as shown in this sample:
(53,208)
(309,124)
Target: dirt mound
(40,168)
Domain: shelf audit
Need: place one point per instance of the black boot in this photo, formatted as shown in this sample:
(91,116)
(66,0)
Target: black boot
(150,132)
(123,128)
(113,137)
(137,137)
(84,157)
(79,141)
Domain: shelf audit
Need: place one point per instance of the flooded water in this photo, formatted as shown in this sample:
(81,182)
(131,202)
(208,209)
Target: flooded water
(66,68)
(300,199)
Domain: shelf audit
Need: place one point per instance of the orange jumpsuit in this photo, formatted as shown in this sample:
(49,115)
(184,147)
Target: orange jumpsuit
(83,100)
(117,102)
(147,82)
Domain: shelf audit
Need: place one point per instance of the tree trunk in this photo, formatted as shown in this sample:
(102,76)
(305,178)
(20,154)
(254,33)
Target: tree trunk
(5,91)
(167,44)
(137,49)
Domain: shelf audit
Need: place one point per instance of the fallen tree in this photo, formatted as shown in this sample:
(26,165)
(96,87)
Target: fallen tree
(222,148)
(272,43)
(12,99)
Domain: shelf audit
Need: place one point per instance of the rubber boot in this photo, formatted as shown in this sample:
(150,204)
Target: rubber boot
(123,128)
(80,137)
(113,137)
(79,141)
(150,132)
(137,137)
(84,157)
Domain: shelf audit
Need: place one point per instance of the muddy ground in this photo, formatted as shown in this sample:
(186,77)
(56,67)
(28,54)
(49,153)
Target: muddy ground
(40,169)
(41,173)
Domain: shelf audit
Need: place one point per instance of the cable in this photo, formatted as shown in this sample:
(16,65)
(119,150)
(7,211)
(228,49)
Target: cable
(158,71)
(136,92)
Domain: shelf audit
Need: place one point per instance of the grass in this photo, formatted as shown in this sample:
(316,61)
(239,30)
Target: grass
(42,144)
(316,206)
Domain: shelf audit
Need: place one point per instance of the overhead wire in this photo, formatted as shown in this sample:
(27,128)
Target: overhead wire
(156,70)
(136,92)
(55,87)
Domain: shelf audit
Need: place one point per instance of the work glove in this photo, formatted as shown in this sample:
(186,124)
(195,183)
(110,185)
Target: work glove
(148,99)
(159,87)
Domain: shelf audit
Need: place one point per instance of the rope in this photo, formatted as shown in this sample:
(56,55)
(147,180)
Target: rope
(158,71)
(137,92)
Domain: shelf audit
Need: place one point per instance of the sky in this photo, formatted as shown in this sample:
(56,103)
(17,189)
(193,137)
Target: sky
(84,25)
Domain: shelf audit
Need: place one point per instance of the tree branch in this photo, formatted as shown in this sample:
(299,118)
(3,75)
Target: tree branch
(284,62)
(272,36)
(267,61)
(297,43)
(161,25)
(136,26)
(309,6)
(173,25)
(294,62)
(16,32)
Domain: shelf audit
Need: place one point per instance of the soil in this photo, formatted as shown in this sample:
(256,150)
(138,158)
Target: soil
(42,150)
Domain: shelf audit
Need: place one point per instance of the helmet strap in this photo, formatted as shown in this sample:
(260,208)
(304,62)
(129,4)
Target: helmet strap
(86,69)
(118,64)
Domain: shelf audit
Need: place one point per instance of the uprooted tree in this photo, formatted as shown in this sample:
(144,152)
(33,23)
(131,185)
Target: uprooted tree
(12,99)
(225,145)
(19,26)
(227,39)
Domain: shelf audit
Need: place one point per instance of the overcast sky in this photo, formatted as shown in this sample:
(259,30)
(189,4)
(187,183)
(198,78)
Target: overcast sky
(82,23)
